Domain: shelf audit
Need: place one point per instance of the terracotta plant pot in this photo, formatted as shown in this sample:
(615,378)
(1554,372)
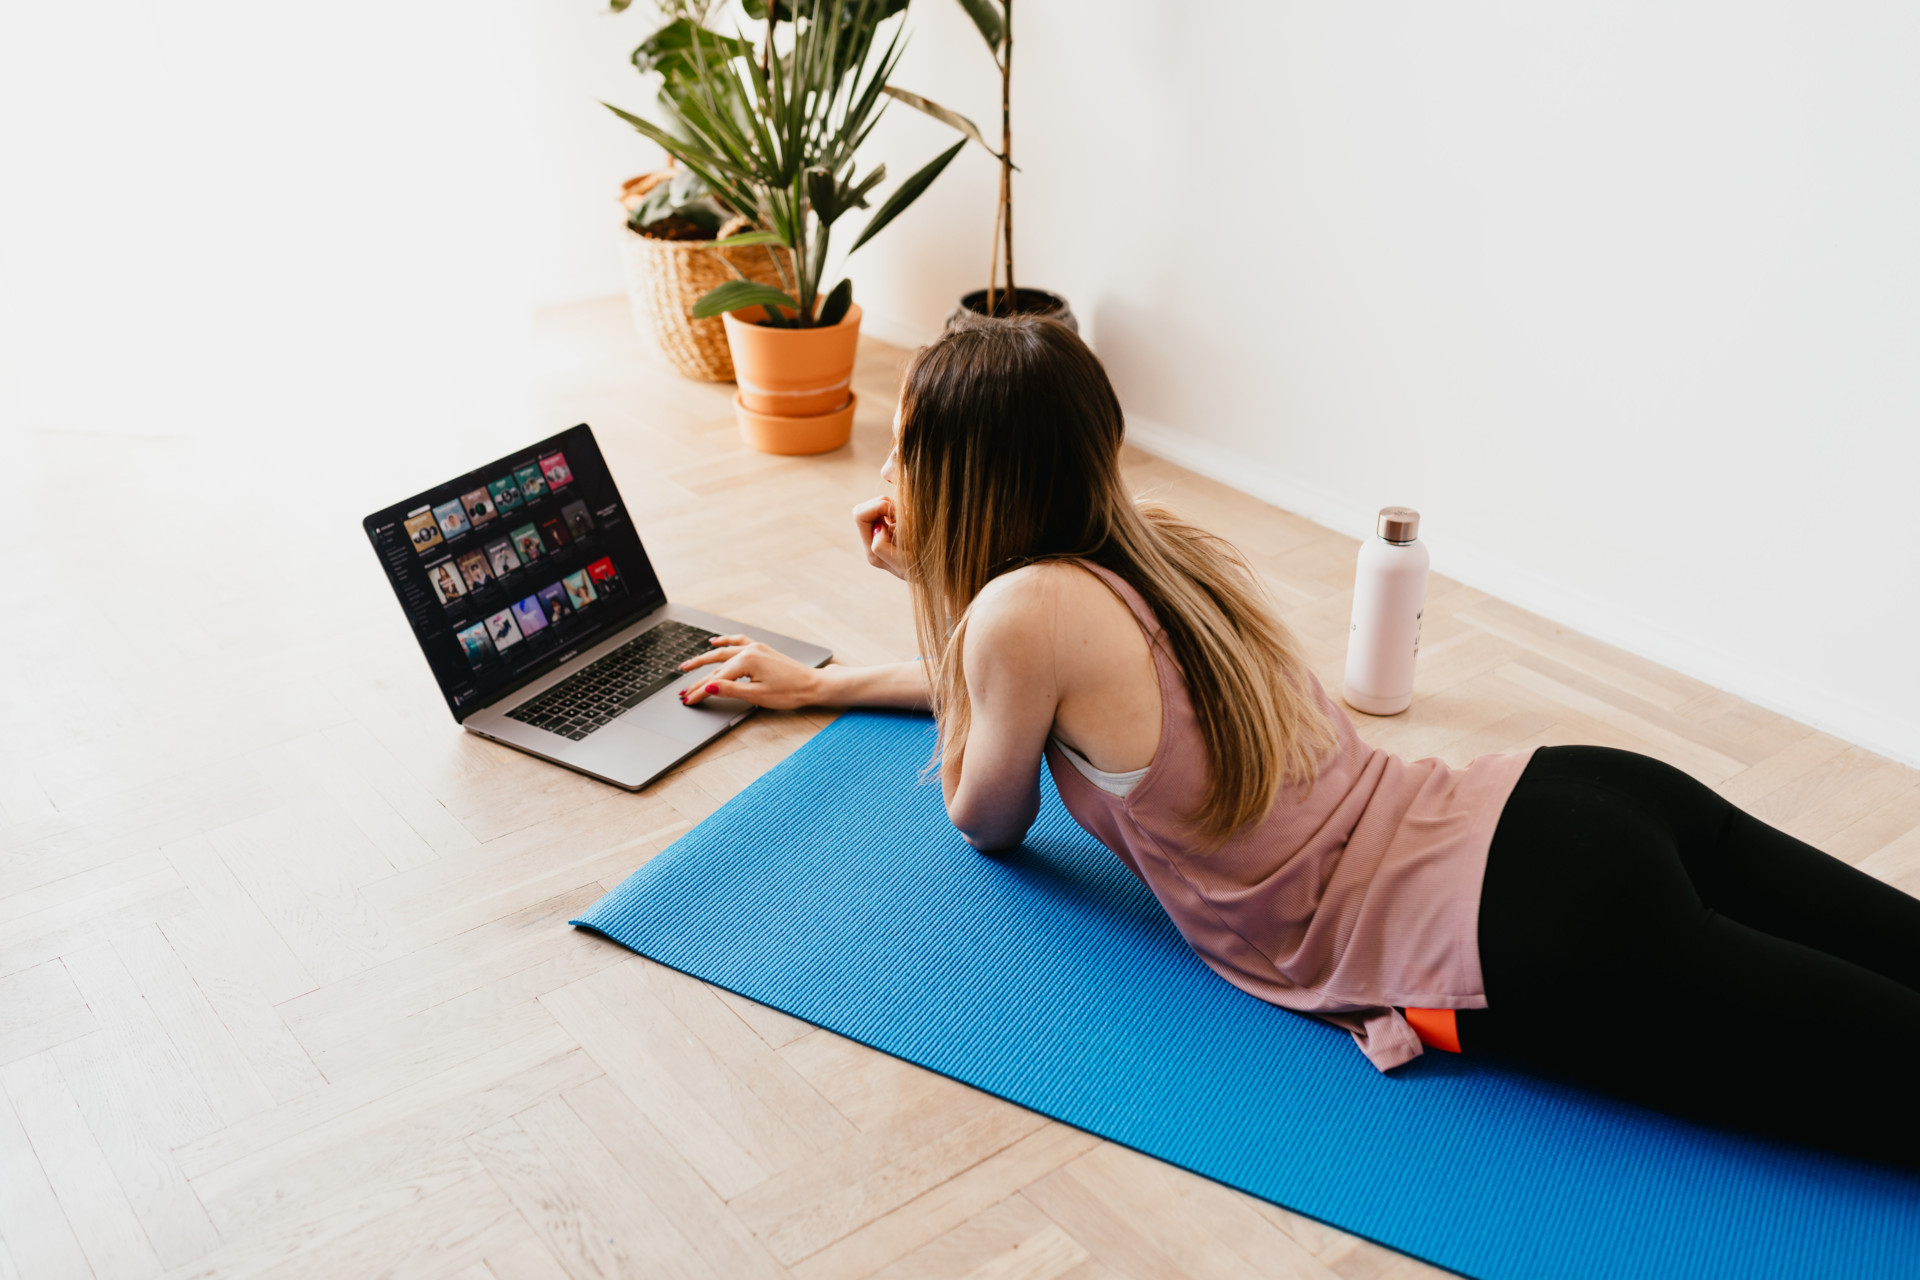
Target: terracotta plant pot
(781,433)
(796,385)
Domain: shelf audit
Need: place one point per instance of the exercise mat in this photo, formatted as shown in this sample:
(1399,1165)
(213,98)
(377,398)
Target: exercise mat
(834,888)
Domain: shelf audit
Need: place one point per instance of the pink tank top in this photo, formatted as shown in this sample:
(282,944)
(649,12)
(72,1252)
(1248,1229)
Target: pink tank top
(1349,899)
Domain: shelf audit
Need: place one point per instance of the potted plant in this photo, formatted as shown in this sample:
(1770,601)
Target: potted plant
(994,20)
(773,132)
(672,221)
(671,263)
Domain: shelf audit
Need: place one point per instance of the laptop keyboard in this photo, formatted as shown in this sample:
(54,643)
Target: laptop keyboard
(613,685)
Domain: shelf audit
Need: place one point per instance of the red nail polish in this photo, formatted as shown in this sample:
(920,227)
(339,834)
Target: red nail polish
(713,688)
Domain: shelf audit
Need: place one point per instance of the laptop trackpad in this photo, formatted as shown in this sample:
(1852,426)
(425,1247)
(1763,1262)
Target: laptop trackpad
(664,715)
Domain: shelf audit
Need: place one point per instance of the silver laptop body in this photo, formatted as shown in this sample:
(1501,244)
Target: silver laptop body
(540,615)
(640,744)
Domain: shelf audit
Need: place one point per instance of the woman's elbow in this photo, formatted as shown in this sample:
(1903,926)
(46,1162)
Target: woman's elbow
(990,833)
(993,842)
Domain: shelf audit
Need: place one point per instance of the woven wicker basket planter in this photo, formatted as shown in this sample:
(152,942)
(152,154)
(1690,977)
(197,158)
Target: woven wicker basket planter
(666,277)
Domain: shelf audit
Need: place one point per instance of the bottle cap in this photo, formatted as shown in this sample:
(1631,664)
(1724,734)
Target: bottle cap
(1399,524)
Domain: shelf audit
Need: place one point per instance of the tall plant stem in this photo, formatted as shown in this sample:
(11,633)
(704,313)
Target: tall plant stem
(779,269)
(993,260)
(806,279)
(1006,146)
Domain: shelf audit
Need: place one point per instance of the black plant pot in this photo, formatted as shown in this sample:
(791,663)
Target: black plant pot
(1026,302)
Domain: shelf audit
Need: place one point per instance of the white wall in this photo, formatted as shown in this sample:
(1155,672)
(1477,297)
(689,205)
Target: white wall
(1624,298)
(581,61)
(284,222)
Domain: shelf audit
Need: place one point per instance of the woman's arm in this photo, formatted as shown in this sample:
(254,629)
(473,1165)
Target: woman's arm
(772,679)
(993,788)
(891,684)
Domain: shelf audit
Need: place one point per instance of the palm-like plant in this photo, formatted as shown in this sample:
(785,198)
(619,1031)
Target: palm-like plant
(775,139)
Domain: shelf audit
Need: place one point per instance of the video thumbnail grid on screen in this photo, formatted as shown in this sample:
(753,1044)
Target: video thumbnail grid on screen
(496,558)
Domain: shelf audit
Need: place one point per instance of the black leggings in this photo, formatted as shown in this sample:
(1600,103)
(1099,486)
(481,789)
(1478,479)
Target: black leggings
(1642,936)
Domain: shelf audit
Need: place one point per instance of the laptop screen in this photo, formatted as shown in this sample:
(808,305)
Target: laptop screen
(525,560)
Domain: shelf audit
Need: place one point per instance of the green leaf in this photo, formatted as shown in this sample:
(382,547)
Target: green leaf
(830,198)
(858,33)
(746,238)
(987,17)
(670,51)
(906,193)
(672,200)
(952,119)
(823,193)
(725,178)
(735,294)
(618,6)
(686,185)
(684,195)
(776,142)
(864,107)
(834,309)
(655,205)
(856,198)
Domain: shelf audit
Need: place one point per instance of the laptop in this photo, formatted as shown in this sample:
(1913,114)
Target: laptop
(542,619)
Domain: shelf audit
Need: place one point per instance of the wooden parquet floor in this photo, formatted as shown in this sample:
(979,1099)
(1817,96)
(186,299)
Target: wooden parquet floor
(286,987)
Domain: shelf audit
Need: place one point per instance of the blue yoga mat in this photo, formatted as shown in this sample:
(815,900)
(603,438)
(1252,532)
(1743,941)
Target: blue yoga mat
(834,889)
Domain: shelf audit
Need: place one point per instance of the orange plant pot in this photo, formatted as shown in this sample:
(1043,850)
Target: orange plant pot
(784,433)
(792,373)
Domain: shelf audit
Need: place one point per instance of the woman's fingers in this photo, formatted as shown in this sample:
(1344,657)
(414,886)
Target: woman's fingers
(871,514)
(746,691)
(741,676)
(755,673)
(708,685)
(876,523)
(724,647)
(884,553)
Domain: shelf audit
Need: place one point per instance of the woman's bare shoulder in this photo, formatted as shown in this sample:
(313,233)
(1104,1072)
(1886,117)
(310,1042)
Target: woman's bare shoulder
(1034,590)
(1014,601)
(1057,598)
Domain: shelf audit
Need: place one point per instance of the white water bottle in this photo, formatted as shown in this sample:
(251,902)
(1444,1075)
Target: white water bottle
(1389,597)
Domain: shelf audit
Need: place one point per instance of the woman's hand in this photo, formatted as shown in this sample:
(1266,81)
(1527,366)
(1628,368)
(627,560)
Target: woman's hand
(753,672)
(875,518)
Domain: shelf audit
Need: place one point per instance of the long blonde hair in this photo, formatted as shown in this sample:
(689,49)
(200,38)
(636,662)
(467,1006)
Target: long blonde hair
(1010,455)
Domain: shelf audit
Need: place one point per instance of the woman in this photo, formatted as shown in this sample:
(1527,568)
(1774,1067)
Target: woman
(1585,912)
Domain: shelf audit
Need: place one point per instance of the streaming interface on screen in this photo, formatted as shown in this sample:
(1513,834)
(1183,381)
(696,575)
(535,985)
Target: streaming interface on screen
(514,563)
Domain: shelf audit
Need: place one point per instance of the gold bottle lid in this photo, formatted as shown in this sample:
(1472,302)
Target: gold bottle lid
(1399,524)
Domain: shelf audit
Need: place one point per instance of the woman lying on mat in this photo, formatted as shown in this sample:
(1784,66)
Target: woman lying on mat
(1581,911)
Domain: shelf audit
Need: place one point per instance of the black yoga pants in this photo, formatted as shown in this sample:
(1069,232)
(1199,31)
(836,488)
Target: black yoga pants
(1642,936)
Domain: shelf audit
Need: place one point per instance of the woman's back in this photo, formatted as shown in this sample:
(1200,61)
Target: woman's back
(1353,895)
(1107,686)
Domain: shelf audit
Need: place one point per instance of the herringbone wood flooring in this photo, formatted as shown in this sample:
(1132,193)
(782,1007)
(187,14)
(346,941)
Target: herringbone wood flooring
(285,982)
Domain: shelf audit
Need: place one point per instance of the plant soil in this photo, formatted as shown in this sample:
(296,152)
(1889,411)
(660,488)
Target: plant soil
(1026,302)
(676,227)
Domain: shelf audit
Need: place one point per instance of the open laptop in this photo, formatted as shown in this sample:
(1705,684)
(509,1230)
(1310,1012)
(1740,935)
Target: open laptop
(543,620)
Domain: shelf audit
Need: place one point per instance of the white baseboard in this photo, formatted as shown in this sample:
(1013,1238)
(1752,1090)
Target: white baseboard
(1787,694)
